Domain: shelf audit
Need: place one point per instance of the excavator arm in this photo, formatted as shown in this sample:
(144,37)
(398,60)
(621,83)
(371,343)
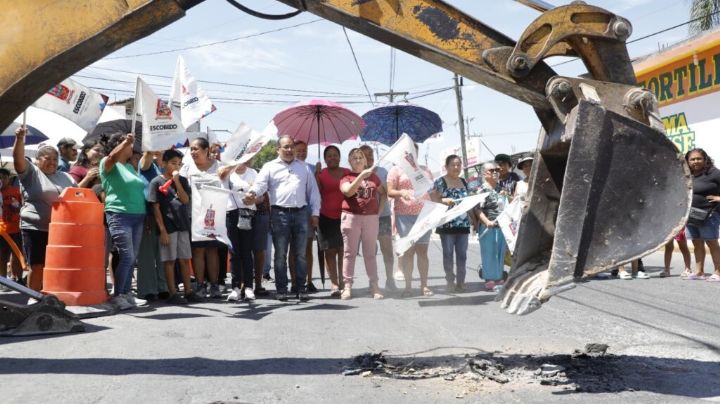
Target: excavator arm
(607,185)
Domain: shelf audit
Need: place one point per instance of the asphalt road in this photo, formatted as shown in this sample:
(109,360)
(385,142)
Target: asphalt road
(663,337)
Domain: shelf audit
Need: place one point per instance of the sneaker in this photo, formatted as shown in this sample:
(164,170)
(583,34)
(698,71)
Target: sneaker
(390,285)
(249,295)
(311,288)
(200,290)
(193,297)
(346,294)
(134,300)
(460,288)
(489,285)
(293,289)
(120,302)
(176,299)
(163,295)
(642,275)
(399,276)
(261,291)
(235,295)
(335,292)
(625,276)
(303,296)
(215,292)
(267,277)
(282,296)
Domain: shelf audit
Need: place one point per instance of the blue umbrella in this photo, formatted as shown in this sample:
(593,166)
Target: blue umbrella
(34,136)
(386,124)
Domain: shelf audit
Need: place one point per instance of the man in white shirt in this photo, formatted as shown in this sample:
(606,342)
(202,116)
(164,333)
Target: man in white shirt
(293,193)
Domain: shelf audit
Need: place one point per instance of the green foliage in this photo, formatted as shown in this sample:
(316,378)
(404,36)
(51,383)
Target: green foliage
(267,153)
(707,13)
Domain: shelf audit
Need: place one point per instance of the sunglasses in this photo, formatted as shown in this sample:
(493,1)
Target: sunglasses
(493,170)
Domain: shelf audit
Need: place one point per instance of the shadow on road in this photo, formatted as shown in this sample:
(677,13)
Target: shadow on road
(458,301)
(586,375)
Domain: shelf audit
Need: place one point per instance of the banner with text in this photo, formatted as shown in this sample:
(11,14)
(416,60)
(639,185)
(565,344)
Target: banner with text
(75,102)
(209,206)
(404,155)
(161,128)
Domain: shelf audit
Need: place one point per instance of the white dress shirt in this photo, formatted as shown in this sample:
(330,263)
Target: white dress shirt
(290,185)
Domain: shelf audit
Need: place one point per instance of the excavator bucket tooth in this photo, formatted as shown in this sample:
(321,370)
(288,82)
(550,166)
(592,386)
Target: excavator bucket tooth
(46,316)
(605,189)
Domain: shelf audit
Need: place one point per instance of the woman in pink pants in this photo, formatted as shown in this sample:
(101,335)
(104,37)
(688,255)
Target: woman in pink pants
(364,195)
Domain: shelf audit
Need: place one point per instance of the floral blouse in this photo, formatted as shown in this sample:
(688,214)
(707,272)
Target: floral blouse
(460,224)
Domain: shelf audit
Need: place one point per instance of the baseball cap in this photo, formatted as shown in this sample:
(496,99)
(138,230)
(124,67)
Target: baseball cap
(499,158)
(67,141)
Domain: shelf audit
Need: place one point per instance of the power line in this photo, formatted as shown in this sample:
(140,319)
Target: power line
(357,64)
(233,84)
(215,43)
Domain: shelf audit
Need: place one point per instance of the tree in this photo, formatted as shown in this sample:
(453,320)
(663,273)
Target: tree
(267,153)
(707,13)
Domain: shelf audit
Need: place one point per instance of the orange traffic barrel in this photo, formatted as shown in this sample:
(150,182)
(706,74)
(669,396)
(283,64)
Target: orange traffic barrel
(75,254)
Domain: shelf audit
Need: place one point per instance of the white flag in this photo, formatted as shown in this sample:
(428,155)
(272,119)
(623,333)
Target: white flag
(161,128)
(404,155)
(428,219)
(75,102)
(208,215)
(436,214)
(509,221)
(246,142)
(188,96)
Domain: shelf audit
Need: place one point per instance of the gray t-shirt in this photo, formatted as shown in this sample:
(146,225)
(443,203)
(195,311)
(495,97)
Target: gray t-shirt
(382,173)
(39,191)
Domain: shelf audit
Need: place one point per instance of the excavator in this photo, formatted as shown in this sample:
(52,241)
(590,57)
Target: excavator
(607,186)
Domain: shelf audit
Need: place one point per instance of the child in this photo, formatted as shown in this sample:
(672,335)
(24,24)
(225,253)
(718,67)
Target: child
(169,193)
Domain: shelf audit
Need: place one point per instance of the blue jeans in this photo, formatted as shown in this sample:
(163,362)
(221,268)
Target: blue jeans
(457,243)
(289,227)
(126,232)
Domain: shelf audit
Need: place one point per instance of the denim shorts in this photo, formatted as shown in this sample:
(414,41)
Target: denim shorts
(405,223)
(710,230)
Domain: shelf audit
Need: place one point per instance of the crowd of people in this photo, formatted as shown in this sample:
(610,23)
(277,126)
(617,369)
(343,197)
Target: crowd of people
(148,199)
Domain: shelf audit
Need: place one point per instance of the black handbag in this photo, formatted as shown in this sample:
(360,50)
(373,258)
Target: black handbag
(698,216)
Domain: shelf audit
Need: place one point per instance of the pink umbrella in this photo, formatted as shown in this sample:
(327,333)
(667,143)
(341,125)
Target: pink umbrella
(319,122)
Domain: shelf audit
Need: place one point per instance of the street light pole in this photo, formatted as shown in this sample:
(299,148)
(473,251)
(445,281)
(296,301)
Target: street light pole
(461,123)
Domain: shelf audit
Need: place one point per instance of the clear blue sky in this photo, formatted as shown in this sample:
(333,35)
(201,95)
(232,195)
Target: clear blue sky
(316,59)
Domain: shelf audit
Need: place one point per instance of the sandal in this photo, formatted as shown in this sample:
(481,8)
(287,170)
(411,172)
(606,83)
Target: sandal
(427,292)
(624,276)
(695,277)
(713,278)
(685,273)
(407,292)
(665,274)
(489,286)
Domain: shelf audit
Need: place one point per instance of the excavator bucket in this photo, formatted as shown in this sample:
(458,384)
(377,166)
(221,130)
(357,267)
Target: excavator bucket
(46,316)
(605,188)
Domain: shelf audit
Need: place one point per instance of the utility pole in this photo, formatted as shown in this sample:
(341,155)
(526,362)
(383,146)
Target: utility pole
(391,94)
(461,122)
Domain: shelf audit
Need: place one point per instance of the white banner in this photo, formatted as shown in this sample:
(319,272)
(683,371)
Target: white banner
(404,155)
(209,207)
(429,218)
(187,95)
(434,215)
(161,128)
(75,102)
(246,142)
(509,221)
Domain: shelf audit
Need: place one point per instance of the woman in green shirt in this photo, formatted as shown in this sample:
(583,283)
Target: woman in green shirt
(124,212)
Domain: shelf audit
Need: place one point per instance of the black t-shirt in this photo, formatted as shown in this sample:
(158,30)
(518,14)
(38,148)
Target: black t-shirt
(703,185)
(508,184)
(174,213)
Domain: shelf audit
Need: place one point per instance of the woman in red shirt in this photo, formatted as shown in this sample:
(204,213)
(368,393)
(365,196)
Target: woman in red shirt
(330,239)
(364,197)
